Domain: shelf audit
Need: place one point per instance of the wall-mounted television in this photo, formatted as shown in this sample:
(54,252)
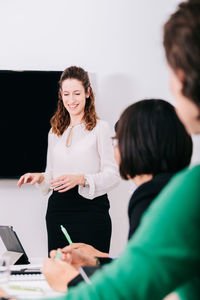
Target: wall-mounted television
(28,101)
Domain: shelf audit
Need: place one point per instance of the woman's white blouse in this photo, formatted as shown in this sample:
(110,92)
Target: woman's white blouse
(90,153)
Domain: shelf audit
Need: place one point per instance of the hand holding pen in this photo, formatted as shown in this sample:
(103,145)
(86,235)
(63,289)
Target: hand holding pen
(82,272)
(59,273)
(74,256)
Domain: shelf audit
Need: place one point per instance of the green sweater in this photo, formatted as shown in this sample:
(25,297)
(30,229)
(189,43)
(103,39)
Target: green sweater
(164,253)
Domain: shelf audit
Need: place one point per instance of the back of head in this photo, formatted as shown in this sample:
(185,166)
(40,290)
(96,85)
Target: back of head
(182,46)
(152,140)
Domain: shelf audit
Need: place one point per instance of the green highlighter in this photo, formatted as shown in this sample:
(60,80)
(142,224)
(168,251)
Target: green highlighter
(58,255)
(82,272)
(66,234)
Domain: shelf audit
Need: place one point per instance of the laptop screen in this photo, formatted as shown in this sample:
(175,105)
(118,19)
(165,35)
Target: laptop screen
(12,242)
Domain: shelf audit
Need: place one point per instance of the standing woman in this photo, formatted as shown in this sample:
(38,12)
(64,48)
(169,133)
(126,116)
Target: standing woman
(80,167)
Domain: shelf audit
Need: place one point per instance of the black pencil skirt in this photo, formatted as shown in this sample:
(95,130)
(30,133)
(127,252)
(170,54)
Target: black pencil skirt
(86,221)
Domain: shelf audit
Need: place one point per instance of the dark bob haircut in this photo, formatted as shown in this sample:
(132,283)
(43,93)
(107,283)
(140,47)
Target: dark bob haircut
(152,140)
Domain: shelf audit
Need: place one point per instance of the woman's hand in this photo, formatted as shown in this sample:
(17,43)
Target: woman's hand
(67,182)
(58,274)
(31,178)
(84,249)
(75,258)
(79,254)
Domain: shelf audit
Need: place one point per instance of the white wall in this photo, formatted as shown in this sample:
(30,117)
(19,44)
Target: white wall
(120,41)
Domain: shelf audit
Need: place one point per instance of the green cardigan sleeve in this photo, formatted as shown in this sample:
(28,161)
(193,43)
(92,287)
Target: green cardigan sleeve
(163,254)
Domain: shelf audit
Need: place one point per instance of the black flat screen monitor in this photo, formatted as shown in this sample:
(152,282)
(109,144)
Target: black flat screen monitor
(28,101)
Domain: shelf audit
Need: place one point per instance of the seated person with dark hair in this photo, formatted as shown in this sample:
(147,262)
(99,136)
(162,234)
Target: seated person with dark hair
(151,145)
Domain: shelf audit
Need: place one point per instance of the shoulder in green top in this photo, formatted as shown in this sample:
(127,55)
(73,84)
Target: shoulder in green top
(164,253)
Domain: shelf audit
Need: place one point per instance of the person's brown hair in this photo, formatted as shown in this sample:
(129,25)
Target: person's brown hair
(61,119)
(182,46)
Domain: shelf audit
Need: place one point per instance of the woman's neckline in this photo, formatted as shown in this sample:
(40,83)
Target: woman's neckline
(79,124)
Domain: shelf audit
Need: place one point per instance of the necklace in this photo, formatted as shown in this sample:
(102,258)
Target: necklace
(69,137)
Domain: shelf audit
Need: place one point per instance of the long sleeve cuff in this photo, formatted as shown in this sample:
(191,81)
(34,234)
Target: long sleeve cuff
(87,191)
(98,184)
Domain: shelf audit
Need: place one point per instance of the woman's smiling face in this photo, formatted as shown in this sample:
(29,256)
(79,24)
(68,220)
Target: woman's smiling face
(74,96)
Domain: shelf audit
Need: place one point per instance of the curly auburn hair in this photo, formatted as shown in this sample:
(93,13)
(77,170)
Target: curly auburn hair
(61,119)
(182,46)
